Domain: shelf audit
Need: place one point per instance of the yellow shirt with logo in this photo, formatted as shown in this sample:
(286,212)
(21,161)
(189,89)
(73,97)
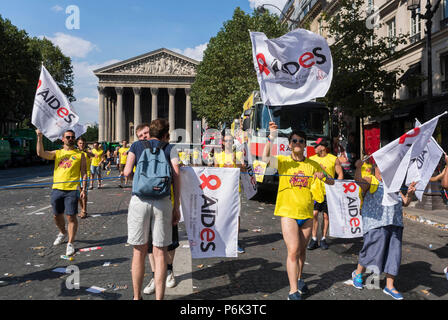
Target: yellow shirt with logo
(123,155)
(88,163)
(97,159)
(228,160)
(327,163)
(67,167)
(295,198)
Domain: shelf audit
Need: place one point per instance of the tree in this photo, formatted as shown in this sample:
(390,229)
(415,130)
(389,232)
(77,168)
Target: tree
(226,76)
(361,86)
(91,134)
(21,58)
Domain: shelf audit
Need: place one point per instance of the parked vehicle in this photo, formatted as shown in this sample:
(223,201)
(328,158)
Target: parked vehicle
(5,154)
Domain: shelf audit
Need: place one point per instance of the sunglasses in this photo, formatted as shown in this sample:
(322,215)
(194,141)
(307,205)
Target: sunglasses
(300,141)
(70,137)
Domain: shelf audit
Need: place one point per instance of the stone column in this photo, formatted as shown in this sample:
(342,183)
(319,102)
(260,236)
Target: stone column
(120,117)
(112,119)
(188,117)
(171,113)
(137,111)
(154,106)
(100,114)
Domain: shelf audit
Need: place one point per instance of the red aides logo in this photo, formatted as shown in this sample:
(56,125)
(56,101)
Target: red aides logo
(351,187)
(39,84)
(415,133)
(54,103)
(206,182)
(262,65)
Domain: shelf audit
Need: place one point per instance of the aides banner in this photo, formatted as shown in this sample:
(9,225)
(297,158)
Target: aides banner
(52,112)
(344,210)
(210,205)
(248,179)
(292,69)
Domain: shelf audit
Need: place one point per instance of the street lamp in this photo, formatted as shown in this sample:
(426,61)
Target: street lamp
(413,5)
(262,9)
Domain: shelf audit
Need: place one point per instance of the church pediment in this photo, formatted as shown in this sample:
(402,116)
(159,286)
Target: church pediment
(161,62)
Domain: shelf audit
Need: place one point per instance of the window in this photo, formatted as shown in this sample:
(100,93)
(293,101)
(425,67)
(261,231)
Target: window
(445,9)
(444,71)
(415,27)
(391,33)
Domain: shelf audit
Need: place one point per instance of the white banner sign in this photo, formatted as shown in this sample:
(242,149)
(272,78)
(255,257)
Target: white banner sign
(344,210)
(210,205)
(248,179)
(295,68)
(52,112)
(422,168)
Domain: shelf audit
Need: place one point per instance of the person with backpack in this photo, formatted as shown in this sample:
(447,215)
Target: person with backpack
(151,214)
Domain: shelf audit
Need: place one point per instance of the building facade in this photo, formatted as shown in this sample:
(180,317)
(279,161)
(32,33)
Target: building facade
(140,89)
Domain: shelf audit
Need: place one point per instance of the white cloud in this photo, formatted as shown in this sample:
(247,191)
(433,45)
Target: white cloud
(278,3)
(71,46)
(85,89)
(57,8)
(196,53)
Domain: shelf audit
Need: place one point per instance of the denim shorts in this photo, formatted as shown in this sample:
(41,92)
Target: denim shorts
(95,170)
(64,201)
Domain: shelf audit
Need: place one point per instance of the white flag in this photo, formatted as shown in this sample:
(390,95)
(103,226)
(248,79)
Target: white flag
(422,168)
(210,204)
(344,210)
(292,69)
(52,112)
(393,160)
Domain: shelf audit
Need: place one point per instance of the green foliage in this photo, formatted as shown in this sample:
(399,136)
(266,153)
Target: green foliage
(226,76)
(358,56)
(21,58)
(91,134)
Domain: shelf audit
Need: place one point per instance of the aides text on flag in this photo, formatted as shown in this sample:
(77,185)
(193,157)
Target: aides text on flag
(52,112)
(292,69)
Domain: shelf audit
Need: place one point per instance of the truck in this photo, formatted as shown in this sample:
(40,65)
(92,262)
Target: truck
(23,146)
(311,117)
(5,153)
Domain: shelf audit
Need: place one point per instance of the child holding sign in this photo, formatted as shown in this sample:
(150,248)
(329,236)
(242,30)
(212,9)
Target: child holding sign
(383,230)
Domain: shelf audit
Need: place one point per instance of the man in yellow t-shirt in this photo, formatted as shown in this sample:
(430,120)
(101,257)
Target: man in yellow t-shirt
(69,167)
(82,147)
(227,158)
(298,187)
(95,167)
(331,165)
(123,155)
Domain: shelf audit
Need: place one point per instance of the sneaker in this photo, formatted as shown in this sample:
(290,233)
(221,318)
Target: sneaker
(313,244)
(295,296)
(357,280)
(240,249)
(60,239)
(323,244)
(393,293)
(150,288)
(70,250)
(170,280)
(303,288)
(446,272)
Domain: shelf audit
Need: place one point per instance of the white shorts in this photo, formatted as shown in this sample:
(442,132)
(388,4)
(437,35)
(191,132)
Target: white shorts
(150,219)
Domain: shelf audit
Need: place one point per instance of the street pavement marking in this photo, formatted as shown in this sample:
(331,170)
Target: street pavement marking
(40,210)
(182,269)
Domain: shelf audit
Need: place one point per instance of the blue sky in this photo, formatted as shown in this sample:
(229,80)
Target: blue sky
(111,31)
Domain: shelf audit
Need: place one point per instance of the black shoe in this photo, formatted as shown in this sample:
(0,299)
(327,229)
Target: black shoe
(303,288)
(323,244)
(313,244)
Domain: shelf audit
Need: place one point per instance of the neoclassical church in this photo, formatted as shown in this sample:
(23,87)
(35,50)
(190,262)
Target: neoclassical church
(153,85)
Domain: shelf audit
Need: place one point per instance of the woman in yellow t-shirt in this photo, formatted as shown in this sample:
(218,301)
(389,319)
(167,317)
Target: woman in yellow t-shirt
(297,190)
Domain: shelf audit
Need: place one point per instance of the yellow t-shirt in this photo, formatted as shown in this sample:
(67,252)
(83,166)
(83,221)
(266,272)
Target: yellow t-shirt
(98,155)
(295,199)
(67,167)
(123,155)
(327,163)
(228,160)
(88,163)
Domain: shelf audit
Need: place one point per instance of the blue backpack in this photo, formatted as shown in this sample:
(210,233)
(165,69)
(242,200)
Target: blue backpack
(152,176)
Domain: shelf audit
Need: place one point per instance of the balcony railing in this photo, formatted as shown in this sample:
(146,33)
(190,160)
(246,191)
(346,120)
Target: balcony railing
(415,38)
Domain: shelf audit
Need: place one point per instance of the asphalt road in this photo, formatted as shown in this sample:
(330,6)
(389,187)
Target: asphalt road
(28,259)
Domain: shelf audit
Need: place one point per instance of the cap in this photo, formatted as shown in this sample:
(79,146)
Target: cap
(321,142)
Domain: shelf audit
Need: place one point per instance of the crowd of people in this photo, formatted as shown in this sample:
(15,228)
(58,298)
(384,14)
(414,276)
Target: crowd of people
(153,216)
